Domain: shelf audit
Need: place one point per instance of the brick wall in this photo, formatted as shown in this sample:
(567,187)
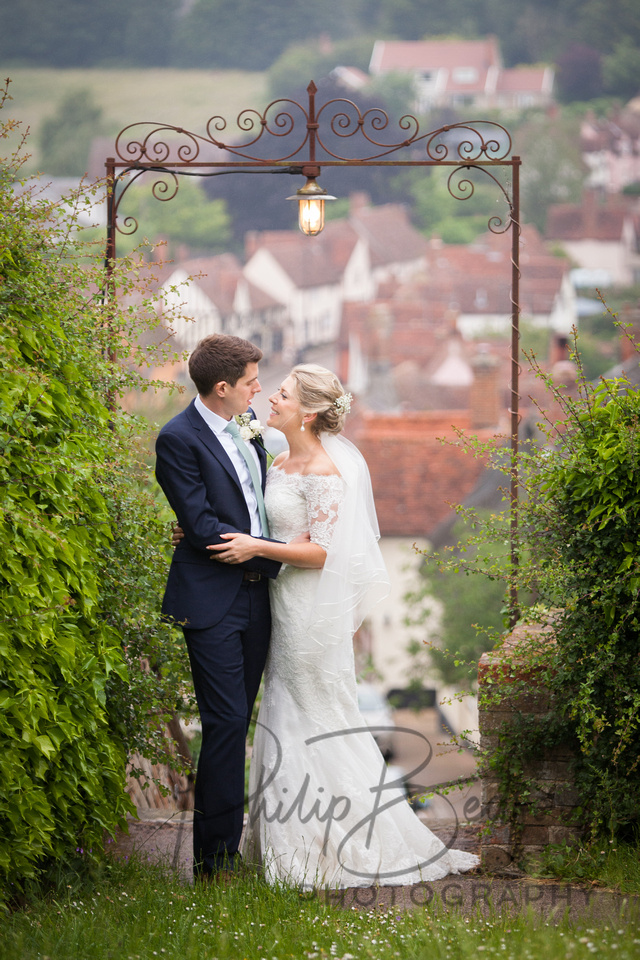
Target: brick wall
(552,789)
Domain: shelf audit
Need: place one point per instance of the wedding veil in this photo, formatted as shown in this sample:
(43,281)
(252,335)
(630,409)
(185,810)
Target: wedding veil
(354,576)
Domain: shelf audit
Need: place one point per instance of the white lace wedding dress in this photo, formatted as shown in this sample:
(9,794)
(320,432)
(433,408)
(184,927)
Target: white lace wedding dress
(318,811)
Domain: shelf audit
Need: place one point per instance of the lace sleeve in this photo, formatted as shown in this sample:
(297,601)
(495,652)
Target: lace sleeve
(323,494)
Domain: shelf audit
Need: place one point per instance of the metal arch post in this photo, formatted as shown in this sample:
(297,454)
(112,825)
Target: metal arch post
(109,294)
(514,610)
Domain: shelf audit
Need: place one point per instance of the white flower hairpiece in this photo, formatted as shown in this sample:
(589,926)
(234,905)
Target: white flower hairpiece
(343,403)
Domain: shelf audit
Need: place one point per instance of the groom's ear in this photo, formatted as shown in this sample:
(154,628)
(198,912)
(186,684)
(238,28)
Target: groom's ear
(220,388)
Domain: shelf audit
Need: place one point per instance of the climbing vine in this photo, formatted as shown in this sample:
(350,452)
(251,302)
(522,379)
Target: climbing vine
(87,671)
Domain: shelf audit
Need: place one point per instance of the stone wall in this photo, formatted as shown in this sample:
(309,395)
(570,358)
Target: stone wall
(160,787)
(552,791)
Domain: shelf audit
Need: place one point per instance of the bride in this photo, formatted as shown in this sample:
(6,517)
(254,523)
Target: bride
(320,809)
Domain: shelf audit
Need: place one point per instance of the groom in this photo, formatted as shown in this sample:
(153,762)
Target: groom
(223,609)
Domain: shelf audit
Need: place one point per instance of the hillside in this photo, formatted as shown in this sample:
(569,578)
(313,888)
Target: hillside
(186,98)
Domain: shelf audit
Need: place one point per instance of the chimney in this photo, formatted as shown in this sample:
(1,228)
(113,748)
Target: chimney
(589,214)
(359,201)
(251,243)
(558,349)
(484,396)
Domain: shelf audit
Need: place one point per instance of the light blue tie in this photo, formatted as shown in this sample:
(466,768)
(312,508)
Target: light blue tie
(232,428)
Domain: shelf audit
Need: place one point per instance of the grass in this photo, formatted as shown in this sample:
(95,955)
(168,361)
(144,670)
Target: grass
(612,865)
(136,911)
(187,98)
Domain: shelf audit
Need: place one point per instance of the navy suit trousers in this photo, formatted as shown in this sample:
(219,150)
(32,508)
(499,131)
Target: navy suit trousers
(227,661)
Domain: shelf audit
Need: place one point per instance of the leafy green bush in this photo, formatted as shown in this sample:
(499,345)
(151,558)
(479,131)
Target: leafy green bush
(580,528)
(86,670)
(578,541)
(587,530)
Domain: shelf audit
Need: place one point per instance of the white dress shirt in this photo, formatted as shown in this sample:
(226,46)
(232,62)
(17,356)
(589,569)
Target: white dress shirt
(217,425)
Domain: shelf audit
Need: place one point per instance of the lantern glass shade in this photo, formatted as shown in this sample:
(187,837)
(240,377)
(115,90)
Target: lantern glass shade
(311,200)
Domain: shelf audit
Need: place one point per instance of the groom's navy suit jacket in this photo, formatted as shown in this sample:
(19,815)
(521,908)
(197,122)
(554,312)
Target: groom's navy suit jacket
(203,488)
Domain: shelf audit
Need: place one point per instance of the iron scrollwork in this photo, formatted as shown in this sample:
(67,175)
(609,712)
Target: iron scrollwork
(282,119)
(461,187)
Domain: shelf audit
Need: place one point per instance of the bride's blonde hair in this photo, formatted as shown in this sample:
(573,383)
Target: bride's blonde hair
(317,390)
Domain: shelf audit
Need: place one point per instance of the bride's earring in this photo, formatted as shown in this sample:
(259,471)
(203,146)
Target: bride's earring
(302,427)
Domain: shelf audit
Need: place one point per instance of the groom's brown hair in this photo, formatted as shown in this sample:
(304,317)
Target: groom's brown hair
(220,357)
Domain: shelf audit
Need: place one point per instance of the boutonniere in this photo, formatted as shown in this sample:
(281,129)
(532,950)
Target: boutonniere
(249,428)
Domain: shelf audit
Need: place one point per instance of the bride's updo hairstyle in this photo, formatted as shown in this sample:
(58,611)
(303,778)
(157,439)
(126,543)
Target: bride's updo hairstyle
(317,390)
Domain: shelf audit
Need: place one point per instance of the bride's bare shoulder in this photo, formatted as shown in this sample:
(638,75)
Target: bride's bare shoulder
(281,459)
(321,465)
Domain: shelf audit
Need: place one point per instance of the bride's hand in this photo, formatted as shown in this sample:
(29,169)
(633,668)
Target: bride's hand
(237,548)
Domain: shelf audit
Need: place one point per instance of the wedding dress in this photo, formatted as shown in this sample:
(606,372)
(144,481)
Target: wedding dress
(320,809)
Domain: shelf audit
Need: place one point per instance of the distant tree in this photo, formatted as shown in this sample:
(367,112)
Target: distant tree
(250,35)
(396,91)
(554,171)
(603,24)
(579,73)
(148,38)
(528,32)
(62,34)
(65,137)
(298,64)
(470,607)
(437,211)
(621,70)
(189,218)
(211,35)
(418,19)
(302,62)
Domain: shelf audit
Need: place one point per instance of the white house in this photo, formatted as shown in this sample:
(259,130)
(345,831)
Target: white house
(313,276)
(462,73)
(599,234)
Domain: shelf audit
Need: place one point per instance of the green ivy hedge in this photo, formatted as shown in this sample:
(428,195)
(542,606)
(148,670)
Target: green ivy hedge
(83,552)
(580,541)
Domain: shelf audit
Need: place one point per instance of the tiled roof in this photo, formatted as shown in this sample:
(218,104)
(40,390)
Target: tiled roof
(309,261)
(476,278)
(433,54)
(414,356)
(525,80)
(389,234)
(316,261)
(415,477)
(393,330)
(590,220)
(260,299)
(216,276)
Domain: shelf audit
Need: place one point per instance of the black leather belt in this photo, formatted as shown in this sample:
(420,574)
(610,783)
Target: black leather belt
(252,577)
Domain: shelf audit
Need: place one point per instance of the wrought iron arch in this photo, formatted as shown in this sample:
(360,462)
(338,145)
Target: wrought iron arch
(298,139)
